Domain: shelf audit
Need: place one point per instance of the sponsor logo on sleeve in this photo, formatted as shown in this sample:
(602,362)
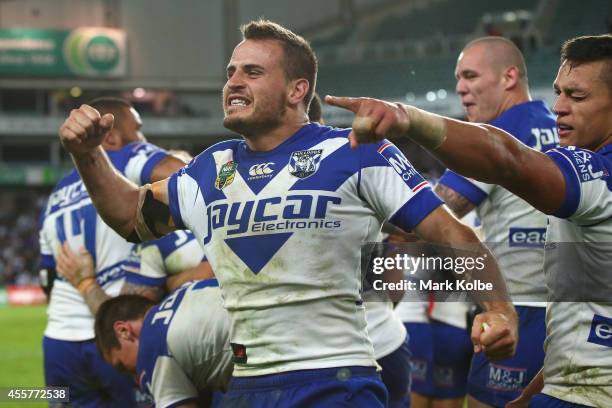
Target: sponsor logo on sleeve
(587,168)
(402,166)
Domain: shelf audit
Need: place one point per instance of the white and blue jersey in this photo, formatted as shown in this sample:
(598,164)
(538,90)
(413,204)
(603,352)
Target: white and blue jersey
(184,345)
(70,216)
(283,231)
(578,265)
(513,229)
(152,262)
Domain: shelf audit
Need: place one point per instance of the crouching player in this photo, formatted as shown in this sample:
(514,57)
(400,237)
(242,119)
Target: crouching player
(179,350)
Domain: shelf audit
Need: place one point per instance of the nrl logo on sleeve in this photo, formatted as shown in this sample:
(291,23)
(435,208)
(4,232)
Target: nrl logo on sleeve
(226,174)
(304,163)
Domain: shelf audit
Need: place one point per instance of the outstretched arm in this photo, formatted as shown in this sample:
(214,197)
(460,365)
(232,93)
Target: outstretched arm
(482,152)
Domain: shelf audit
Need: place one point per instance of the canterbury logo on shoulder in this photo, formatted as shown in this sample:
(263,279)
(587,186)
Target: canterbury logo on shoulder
(261,169)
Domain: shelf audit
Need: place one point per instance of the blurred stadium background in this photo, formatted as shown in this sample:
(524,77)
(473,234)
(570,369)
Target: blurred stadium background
(168,58)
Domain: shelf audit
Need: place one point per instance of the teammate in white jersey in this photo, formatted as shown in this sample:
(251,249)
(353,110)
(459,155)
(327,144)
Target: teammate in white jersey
(70,357)
(178,350)
(153,269)
(282,215)
(492,84)
(571,183)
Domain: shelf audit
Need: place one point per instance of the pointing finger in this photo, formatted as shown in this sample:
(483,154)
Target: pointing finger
(352,104)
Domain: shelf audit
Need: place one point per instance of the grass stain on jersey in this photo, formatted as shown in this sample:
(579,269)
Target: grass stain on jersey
(593,392)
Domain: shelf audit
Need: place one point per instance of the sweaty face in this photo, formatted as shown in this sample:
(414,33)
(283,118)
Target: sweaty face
(255,94)
(583,105)
(479,85)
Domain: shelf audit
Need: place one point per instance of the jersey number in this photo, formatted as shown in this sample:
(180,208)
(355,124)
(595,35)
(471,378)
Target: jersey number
(80,221)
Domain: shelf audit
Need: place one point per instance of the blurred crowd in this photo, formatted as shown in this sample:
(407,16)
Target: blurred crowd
(19,212)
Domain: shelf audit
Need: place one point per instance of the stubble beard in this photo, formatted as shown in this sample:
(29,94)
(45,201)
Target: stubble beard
(260,121)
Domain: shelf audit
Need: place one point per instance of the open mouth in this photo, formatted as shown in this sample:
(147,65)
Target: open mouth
(564,129)
(237,101)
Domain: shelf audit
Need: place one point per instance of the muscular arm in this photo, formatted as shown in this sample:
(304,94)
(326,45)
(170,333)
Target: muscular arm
(200,272)
(455,201)
(94,295)
(482,152)
(500,339)
(166,167)
(114,196)
(493,156)
(154,293)
(440,227)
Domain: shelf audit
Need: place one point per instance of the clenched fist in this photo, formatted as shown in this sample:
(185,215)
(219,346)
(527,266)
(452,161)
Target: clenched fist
(84,130)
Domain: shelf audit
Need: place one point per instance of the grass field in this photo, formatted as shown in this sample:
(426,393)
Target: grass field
(21,331)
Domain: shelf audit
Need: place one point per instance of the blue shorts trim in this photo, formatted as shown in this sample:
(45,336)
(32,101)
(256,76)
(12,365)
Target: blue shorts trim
(320,388)
(497,383)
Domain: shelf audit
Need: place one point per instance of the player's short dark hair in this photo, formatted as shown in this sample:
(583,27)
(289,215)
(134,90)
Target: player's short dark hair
(111,104)
(120,308)
(314,110)
(590,48)
(300,60)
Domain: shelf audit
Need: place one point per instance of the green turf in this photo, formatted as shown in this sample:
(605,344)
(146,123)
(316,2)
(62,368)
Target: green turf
(21,331)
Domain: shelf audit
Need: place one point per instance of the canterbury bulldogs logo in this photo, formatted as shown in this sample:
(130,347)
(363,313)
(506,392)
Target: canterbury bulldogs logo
(261,170)
(304,163)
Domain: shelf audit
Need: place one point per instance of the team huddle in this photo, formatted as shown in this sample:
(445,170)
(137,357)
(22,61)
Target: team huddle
(234,279)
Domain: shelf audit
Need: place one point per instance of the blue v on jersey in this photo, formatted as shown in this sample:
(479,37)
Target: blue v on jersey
(70,216)
(283,229)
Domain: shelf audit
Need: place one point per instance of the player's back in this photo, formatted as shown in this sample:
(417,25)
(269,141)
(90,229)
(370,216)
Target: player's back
(184,344)
(71,217)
